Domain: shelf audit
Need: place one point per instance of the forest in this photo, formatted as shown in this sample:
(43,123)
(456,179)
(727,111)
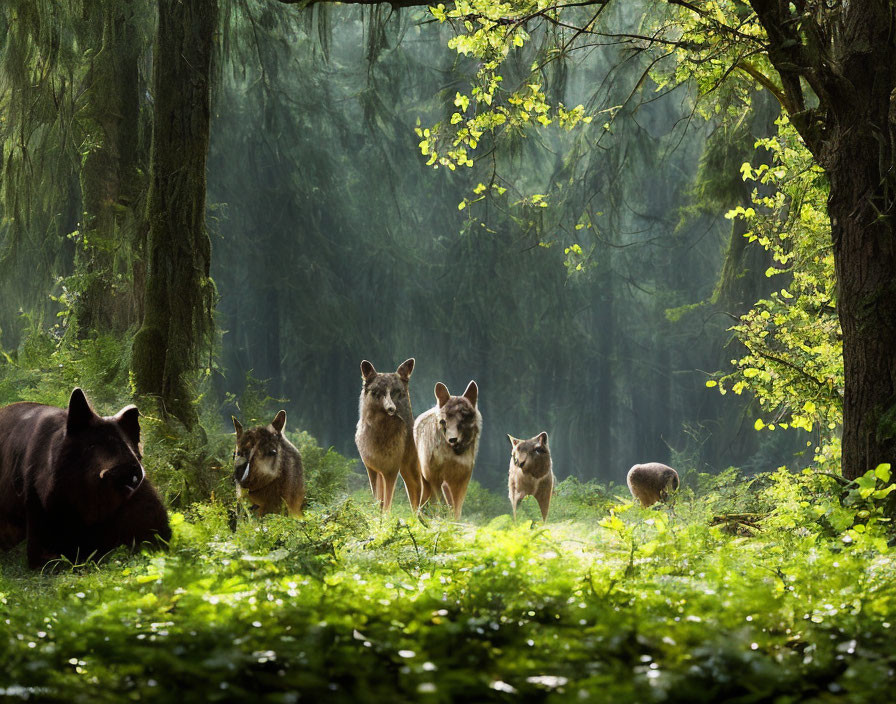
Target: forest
(346,350)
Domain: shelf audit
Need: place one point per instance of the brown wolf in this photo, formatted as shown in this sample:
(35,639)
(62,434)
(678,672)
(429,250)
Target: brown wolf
(652,482)
(385,436)
(447,437)
(268,468)
(530,472)
(72,484)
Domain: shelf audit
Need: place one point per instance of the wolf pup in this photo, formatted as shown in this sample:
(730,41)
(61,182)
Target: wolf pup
(71,482)
(651,482)
(447,437)
(530,472)
(268,468)
(385,436)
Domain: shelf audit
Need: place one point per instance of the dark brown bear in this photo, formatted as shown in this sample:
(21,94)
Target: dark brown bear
(71,482)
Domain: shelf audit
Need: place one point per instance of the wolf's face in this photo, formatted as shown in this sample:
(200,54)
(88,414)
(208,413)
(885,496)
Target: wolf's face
(457,417)
(530,455)
(256,460)
(387,393)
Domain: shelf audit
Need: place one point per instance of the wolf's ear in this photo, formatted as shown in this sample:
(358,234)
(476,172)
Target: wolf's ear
(406,369)
(367,371)
(237,426)
(543,438)
(472,393)
(128,419)
(279,421)
(442,394)
(79,412)
(513,441)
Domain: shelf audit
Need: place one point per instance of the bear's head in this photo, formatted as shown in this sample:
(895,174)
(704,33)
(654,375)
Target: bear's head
(98,463)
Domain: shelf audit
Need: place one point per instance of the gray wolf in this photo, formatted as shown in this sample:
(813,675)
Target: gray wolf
(447,437)
(385,436)
(530,472)
(268,468)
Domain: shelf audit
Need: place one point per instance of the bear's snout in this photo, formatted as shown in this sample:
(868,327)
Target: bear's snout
(126,478)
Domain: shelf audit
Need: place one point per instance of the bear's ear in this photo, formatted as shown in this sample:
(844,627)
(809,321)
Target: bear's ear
(472,393)
(406,369)
(367,371)
(128,419)
(79,412)
(237,426)
(543,438)
(513,441)
(279,421)
(442,394)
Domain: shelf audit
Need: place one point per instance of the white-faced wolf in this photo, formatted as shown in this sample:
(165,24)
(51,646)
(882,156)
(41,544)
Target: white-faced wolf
(652,482)
(268,468)
(530,472)
(385,436)
(447,438)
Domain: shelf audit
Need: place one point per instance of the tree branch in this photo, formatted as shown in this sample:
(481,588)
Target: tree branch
(766,83)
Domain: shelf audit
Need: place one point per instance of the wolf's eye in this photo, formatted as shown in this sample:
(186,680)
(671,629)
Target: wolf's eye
(443,423)
(539,450)
(273,452)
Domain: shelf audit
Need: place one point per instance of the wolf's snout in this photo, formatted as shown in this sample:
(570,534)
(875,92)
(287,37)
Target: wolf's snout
(453,441)
(241,471)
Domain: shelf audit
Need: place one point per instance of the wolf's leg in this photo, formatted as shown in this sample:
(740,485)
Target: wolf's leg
(446,493)
(426,493)
(371,476)
(413,480)
(387,485)
(543,497)
(459,493)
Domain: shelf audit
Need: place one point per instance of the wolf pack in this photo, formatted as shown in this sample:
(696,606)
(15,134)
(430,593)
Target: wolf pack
(73,487)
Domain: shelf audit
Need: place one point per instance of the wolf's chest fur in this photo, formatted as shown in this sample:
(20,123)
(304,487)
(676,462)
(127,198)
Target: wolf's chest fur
(382,440)
(527,483)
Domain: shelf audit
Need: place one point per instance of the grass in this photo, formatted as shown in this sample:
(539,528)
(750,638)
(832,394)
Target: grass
(607,602)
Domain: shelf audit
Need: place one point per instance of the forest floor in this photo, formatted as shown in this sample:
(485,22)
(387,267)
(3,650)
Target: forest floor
(768,589)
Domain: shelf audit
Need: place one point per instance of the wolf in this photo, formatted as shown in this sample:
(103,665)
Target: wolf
(652,482)
(72,483)
(447,437)
(385,436)
(530,472)
(268,468)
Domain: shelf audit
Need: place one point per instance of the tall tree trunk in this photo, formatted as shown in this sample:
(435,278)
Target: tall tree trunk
(848,57)
(864,235)
(109,179)
(856,149)
(179,292)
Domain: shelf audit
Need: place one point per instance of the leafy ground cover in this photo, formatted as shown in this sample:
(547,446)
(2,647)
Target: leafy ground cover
(779,587)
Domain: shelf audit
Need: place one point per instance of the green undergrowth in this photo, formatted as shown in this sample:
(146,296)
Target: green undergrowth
(774,587)
(778,587)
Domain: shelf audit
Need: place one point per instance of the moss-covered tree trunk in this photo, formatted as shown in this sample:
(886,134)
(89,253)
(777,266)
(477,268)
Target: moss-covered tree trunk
(179,292)
(109,177)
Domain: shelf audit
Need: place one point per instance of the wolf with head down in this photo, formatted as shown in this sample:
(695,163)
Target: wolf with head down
(385,435)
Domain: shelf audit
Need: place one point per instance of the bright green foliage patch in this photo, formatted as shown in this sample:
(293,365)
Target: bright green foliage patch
(742,590)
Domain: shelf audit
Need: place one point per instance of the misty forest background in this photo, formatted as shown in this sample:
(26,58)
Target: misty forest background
(598,318)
